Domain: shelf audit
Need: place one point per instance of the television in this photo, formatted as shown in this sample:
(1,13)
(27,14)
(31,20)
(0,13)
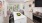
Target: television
(38,3)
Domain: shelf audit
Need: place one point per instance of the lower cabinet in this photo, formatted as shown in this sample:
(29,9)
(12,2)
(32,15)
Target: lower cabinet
(22,20)
(17,21)
(37,19)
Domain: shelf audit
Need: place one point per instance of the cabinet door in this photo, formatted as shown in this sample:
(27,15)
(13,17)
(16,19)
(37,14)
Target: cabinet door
(17,21)
(23,20)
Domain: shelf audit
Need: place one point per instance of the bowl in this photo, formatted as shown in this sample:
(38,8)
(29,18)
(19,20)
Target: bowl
(18,14)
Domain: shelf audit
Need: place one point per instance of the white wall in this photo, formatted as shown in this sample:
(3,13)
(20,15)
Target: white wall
(1,13)
(27,11)
(5,8)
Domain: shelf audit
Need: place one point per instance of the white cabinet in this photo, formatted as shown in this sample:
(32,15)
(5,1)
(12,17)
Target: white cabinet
(22,20)
(19,19)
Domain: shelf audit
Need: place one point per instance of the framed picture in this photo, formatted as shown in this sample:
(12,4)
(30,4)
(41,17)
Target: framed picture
(1,6)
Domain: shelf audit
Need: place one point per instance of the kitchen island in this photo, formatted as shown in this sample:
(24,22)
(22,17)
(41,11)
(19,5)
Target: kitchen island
(19,19)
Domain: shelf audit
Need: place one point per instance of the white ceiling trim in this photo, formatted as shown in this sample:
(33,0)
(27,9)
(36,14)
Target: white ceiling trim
(16,1)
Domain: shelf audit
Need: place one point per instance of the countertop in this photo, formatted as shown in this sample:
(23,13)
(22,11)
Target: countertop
(40,16)
(18,17)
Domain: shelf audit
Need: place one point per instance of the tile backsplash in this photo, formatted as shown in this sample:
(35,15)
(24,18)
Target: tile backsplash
(39,9)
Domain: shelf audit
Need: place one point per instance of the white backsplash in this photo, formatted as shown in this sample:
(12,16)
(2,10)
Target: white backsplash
(39,9)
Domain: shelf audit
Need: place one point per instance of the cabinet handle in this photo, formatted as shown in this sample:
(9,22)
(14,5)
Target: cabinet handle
(20,22)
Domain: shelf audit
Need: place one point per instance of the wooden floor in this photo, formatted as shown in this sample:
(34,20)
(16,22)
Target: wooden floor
(6,20)
(29,20)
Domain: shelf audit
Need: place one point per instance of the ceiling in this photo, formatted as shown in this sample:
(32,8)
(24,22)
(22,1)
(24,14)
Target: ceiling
(15,1)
